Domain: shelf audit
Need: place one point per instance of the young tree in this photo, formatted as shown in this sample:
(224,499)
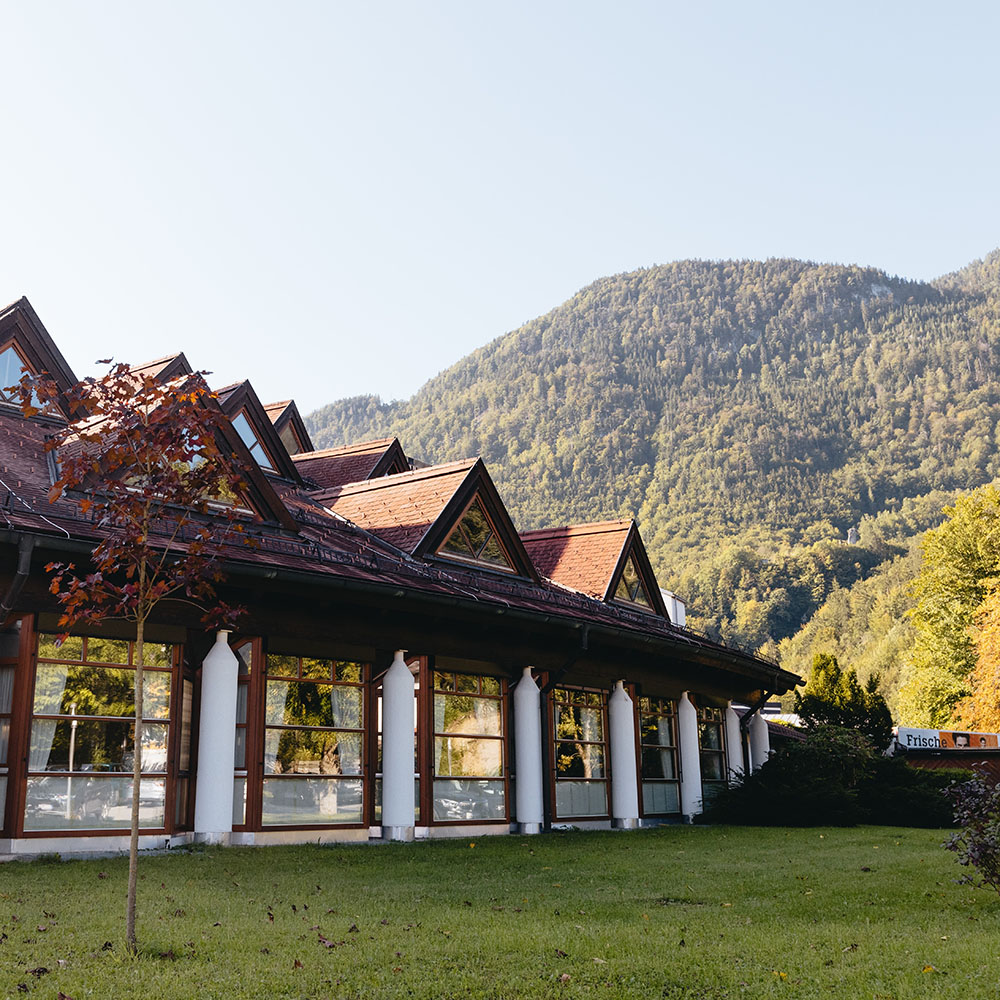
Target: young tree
(142,458)
(835,697)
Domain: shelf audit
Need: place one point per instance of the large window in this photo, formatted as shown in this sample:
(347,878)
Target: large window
(711,742)
(581,780)
(474,539)
(81,752)
(658,736)
(313,742)
(9,641)
(469,752)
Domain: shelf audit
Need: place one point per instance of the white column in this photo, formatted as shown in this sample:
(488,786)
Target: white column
(528,751)
(213,808)
(690,751)
(760,741)
(624,777)
(734,744)
(398,707)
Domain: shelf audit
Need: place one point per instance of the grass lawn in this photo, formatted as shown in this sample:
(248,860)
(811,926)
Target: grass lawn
(678,912)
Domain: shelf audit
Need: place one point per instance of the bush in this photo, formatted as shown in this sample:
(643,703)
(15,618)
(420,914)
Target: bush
(836,778)
(977,843)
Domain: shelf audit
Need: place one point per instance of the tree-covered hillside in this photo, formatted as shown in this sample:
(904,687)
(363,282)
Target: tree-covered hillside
(750,413)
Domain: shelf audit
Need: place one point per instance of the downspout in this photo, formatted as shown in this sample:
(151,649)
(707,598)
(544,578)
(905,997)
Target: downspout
(25,546)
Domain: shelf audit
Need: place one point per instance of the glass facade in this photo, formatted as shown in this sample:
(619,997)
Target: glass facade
(580,750)
(313,742)
(469,755)
(658,743)
(81,747)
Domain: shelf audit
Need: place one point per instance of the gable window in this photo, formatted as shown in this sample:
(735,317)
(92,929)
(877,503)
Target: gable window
(474,539)
(630,587)
(250,439)
(289,439)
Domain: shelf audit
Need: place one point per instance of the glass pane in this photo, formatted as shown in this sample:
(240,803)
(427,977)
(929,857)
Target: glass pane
(4,743)
(305,801)
(242,692)
(244,654)
(347,671)
(444,682)
(308,751)
(320,670)
(181,803)
(657,730)
(91,803)
(99,691)
(291,704)
(477,527)
(378,800)
(282,666)
(107,650)
(581,798)
(490,685)
(239,801)
(463,714)
(289,440)
(469,800)
(154,654)
(578,723)
(240,755)
(658,763)
(579,760)
(187,701)
(58,745)
(467,683)
(660,797)
(711,767)
(6,689)
(456,756)
(10,370)
(710,736)
(71,649)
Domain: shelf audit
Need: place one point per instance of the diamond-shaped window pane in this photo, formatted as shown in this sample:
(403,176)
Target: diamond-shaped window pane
(473,538)
(630,587)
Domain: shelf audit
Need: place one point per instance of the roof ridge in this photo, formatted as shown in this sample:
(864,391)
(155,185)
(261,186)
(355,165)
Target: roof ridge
(398,478)
(341,449)
(584,528)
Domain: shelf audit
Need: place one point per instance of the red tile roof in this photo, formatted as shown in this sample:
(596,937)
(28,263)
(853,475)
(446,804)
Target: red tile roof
(275,410)
(335,467)
(580,556)
(399,508)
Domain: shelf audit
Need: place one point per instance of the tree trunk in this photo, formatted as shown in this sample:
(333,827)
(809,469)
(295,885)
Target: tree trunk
(133,846)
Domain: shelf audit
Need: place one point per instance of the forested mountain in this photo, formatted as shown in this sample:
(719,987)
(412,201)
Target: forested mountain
(750,413)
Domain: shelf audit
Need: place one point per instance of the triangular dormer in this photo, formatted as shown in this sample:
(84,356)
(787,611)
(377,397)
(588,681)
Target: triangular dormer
(450,513)
(286,420)
(26,344)
(633,583)
(474,529)
(604,560)
(251,422)
(166,368)
(332,468)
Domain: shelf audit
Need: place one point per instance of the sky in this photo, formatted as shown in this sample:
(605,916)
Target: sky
(334,198)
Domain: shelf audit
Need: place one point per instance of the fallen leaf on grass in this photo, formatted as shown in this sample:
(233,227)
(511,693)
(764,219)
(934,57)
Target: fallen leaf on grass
(39,972)
(298,965)
(850,947)
(561,953)
(565,977)
(63,996)
(601,961)
(931,968)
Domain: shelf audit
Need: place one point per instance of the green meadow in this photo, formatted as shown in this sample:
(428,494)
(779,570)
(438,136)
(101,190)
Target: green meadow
(677,912)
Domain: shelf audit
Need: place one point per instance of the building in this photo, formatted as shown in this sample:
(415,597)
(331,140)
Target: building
(410,664)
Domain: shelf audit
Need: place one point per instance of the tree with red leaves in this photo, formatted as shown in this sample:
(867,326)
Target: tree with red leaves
(146,462)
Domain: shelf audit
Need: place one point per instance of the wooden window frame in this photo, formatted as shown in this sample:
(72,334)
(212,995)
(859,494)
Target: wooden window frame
(675,747)
(552,742)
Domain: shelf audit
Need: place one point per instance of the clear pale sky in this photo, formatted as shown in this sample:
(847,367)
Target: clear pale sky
(335,198)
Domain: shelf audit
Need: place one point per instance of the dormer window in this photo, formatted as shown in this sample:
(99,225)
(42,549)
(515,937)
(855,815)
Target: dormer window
(630,589)
(290,439)
(474,539)
(12,367)
(250,439)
